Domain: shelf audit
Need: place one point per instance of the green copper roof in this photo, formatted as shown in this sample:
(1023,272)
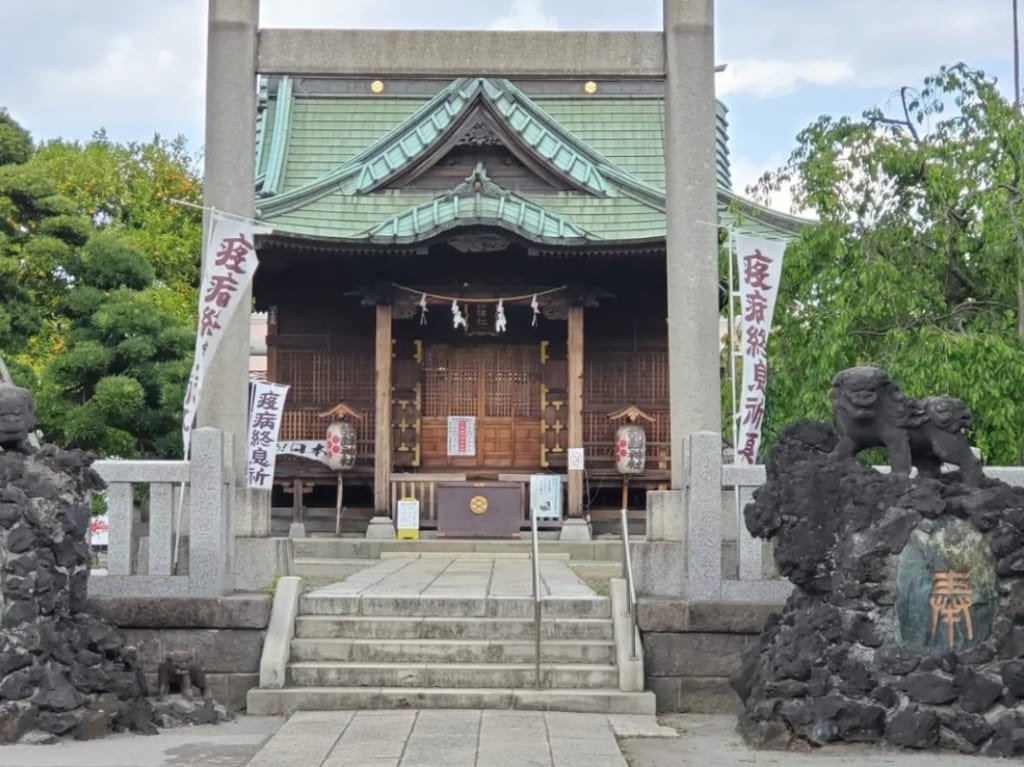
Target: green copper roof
(477,200)
(397,151)
(337,166)
(390,157)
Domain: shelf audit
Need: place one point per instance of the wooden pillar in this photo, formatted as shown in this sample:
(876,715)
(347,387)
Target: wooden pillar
(575,405)
(382,407)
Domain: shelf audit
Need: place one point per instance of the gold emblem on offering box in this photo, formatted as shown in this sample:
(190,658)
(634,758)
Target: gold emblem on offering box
(951,601)
(478,504)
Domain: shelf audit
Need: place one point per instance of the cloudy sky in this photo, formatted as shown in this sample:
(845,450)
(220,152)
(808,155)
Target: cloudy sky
(136,68)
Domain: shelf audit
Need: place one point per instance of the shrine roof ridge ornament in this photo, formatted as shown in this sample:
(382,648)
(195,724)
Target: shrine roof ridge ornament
(478,200)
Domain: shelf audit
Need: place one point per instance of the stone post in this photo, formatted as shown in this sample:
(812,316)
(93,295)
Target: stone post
(703,465)
(211,542)
(691,238)
(228,183)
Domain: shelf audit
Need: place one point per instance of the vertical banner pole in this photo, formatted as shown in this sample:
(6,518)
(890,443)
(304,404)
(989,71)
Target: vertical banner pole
(733,290)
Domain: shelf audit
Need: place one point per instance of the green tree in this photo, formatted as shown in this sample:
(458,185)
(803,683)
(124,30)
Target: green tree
(915,262)
(117,386)
(130,189)
(39,232)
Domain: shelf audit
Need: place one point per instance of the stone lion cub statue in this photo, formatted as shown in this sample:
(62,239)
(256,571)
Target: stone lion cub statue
(871,411)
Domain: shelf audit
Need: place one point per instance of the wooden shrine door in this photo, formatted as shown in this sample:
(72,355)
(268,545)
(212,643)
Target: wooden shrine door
(499,385)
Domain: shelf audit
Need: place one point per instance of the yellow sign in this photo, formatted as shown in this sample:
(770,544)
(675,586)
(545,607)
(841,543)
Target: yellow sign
(478,504)
(951,601)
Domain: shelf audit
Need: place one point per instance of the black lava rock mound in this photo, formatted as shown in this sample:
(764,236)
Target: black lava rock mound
(63,671)
(906,625)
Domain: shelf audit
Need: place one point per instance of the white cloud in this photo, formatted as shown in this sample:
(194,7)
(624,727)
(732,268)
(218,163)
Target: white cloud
(151,72)
(327,14)
(746,171)
(886,43)
(526,14)
(766,78)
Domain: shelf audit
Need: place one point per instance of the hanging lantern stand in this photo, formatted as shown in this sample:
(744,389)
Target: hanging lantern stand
(341,448)
(630,449)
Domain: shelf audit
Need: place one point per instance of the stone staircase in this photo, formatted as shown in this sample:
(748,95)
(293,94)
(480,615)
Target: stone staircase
(435,650)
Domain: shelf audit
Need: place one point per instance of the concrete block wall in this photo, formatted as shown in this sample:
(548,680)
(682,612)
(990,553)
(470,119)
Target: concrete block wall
(226,633)
(692,648)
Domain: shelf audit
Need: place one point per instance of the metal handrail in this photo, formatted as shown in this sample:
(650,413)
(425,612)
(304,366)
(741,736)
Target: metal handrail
(535,561)
(630,588)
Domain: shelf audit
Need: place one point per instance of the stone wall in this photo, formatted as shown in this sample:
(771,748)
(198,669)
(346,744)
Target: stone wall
(225,633)
(692,648)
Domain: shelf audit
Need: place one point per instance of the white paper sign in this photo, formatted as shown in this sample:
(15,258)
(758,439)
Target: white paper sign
(546,496)
(461,435)
(229,262)
(760,269)
(266,409)
(407,514)
(576,458)
(313,449)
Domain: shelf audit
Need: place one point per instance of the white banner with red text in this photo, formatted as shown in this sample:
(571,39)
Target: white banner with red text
(759,265)
(229,262)
(266,408)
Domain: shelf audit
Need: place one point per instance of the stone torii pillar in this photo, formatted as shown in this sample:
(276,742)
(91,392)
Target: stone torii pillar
(682,555)
(691,240)
(228,179)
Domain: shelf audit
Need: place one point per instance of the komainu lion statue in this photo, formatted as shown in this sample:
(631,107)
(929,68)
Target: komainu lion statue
(871,411)
(17,418)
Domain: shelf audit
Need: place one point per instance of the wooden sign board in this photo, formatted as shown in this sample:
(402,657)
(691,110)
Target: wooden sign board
(407,519)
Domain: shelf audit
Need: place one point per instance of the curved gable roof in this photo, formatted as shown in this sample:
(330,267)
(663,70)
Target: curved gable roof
(533,133)
(345,198)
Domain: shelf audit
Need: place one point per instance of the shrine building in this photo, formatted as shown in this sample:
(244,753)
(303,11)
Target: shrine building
(474,267)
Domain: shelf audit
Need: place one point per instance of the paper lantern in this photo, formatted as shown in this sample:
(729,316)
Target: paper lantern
(341,445)
(630,449)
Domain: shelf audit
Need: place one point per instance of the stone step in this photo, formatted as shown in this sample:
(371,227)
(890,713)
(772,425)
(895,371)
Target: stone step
(602,569)
(488,675)
(416,627)
(451,651)
(452,607)
(559,555)
(291,699)
(362,548)
(330,567)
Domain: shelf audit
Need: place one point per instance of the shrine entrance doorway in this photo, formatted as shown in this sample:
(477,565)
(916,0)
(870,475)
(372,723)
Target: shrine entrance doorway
(497,384)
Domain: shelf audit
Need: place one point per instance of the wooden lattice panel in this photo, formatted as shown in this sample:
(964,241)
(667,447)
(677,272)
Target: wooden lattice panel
(320,379)
(451,381)
(614,379)
(511,378)
(500,386)
(325,378)
(626,378)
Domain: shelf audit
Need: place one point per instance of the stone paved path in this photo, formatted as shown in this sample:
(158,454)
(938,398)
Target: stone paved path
(460,576)
(712,741)
(451,739)
(455,738)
